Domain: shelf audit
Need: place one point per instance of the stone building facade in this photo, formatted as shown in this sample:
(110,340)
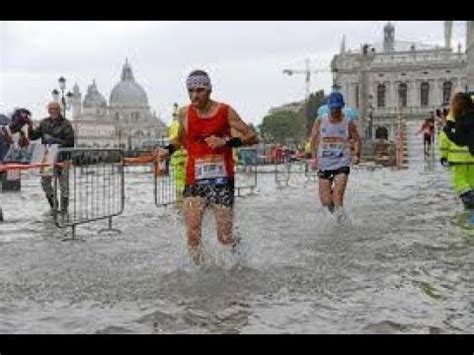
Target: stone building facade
(390,78)
(126,120)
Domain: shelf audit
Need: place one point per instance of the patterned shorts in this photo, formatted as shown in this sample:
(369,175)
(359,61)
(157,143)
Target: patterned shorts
(221,194)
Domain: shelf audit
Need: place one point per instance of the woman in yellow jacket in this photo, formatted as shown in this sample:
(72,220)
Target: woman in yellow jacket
(458,158)
(178,161)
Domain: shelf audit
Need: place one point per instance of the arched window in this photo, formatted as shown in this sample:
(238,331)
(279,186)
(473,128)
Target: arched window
(381,95)
(402,94)
(424,94)
(447,87)
(381,133)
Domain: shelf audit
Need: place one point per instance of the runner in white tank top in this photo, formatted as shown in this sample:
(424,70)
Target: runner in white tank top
(331,149)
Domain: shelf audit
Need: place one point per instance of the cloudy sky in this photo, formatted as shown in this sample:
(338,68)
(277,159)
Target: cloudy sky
(245,59)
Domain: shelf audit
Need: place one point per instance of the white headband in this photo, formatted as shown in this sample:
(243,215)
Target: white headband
(198,81)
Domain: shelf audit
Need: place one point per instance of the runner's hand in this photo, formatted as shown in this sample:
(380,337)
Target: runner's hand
(355,160)
(215,142)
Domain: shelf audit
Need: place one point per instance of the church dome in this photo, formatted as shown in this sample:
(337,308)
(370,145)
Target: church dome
(94,98)
(128,92)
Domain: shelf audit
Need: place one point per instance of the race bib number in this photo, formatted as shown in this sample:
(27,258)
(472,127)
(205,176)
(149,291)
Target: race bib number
(210,167)
(332,150)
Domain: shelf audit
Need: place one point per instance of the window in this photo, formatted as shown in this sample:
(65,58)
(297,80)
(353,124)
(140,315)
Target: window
(381,133)
(135,116)
(381,95)
(424,94)
(357,96)
(447,87)
(402,94)
(117,116)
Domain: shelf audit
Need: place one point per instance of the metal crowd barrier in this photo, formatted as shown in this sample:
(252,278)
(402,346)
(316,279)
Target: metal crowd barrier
(309,173)
(282,173)
(166,191)
(246,171)
(297,169)
(94,181)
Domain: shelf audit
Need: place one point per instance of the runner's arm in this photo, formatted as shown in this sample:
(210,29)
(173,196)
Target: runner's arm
(354,134)
(247,135)
(314,138)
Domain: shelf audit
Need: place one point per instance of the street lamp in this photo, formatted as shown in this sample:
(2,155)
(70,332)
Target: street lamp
(65,99)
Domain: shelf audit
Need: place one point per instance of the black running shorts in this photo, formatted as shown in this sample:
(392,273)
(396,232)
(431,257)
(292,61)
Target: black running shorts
(427,138)
(220,194)
(330,174)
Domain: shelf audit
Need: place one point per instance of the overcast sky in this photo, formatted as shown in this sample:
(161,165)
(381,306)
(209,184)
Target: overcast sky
(245,59)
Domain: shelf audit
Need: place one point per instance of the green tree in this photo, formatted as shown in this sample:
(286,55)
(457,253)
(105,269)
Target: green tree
(282,127)
(315,101)
(291,127)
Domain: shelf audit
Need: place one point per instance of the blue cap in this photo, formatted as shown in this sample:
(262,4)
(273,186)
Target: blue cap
(335,100)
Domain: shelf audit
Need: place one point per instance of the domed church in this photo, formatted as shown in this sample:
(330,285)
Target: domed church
(126,121)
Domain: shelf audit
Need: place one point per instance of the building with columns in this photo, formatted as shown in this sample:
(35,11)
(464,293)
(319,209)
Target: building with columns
(391,77)
(125,121)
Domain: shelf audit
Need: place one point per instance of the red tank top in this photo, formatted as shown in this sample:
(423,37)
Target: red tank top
(205,163)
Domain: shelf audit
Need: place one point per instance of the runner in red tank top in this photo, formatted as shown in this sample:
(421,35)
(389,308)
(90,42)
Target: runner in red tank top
(427,128)
(209,130)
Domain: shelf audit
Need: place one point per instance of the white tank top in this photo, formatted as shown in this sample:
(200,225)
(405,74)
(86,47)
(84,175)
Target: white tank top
(334,149)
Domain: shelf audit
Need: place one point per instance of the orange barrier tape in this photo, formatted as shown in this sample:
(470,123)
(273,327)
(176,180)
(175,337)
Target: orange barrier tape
(13,166)
(144,159)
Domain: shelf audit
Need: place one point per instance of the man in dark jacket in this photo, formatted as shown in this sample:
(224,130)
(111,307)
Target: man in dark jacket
(54,129)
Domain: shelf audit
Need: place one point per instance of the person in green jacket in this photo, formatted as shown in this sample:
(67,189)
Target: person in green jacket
(458,158)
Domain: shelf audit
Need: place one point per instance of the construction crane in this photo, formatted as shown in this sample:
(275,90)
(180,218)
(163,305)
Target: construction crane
(307,73)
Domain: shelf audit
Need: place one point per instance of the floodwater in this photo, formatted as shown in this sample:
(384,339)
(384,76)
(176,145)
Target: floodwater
(404,263)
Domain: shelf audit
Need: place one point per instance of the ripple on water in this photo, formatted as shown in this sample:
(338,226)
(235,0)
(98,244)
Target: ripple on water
(403,265)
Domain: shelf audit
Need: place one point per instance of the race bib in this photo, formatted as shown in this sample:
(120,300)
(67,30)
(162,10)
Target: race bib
(332,150)
(210,167)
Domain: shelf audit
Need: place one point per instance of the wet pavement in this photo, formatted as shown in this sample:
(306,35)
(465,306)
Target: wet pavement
(403,263)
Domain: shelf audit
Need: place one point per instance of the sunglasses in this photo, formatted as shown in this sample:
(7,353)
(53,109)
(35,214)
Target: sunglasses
(198,90)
